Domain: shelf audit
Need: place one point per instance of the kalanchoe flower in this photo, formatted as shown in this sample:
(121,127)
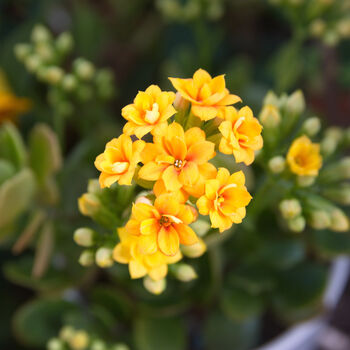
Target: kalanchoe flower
(241,134)
(304,157)
(151,109)
(225,199)
(118,162)
(178,158)
(208,95)
(163,226)
(128,252)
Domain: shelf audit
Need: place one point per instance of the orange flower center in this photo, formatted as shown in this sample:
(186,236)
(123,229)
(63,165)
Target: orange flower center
(178,164)
(165,221)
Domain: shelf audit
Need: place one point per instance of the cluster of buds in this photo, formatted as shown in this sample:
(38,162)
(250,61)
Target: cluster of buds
(167,147)
(46,56)
(313,176)
(77,339)
(176,10)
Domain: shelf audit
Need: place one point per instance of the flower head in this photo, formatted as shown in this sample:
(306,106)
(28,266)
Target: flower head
(178,158)
(304,157)
(241,134)
(162,226)
(118,162)
(128,252)
(208,95)
(151,108)
(225,199)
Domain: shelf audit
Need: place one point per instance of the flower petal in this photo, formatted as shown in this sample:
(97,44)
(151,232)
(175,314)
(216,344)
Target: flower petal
(186,234)
(168,241)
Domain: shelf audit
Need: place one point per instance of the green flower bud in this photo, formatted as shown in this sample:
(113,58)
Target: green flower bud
(104,257)
(180,104)
(339,194)
(69,82)
(194,250)
(79,341)
(53,75)
(201,227)
(337,171)
(84,237)
(328,146)
(154,287)
(45,52)
(295,103)
(317,27)
(312,126)
(271,99)
(335,133)
(84,69)
(67,333)
(331,38)
(297,224)
(64,43)
(184,272)
(55,344)
(339,221)
(306,181)
(87,258)
(98,345)
(319,219)
(290,208)
(40,34)
(277,164)
(89,204)
(343,28)
(32,63)
(270,116)
(94,186)
(22,51)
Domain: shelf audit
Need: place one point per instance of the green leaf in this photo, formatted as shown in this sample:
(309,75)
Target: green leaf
(6,170)
(45,152)
(16,195)
(331,244)
(159,333)
(38,321)
(12,147)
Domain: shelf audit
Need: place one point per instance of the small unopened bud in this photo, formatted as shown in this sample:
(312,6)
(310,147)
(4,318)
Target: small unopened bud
(120,346)
(32,63)
(64,43)
(154,287)
(339,221)
(84,69)
(104,257)
(317,28)
(319,219)
(306,181)
(94,186)
(55,344)
(312,126)
(297,224)
(343,27)
(335,133)
(185,272)
(296,103)
(195,250)
(143,199)
(201,227)
(67,333)
(270,116)
(69,82)
(271,99)
(84,237)
(290,208)
(87,258)
(98,345)
(277,164)
(40,34)
(180,104)
(54,75)
(331,38)
(328,146)
(22,51)
(79,341)
(45,52)
(339,194)
(89,204)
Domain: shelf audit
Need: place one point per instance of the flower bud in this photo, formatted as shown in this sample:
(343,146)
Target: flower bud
(337,171)
(32,63)
(22,51)
(339,194)
(180,104)
(44,51)
(312,126)
(290,208)
(64,43)
(84,69)
(143,199)
(317,27)
(306,181)
(87,258)
(84,237)
(79,341)
(277,164)
(270,116)
(295,103)
(184,272)
(69,82)
(55,344)
(201,227)
(331,38)
(339,221)
(98,345)
(53,75)
(94,186)
(319,219)
(271,99)
(195,250)
(343,28)
(297,224)
(120,346)
(40,34)
(154,287)
(67,333)
(328,146)
(335,133)
(104,257)
(89,204)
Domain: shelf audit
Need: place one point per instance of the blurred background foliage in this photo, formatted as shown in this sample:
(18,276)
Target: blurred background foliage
(260,45)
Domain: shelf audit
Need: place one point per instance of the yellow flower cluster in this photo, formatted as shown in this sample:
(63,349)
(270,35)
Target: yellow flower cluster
(177,164)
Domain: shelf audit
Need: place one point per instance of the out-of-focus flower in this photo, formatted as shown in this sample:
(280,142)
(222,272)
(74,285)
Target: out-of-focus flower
(79,341)
(162,226)
(297,224)
(103,257)
(304,157)
(277,164)
(225,199)
(151,109)
(84,237)
(290,208)
(128,252)
(154,286)
(118,162)
(178,158)
(208,95)
(86,258)
(241,134)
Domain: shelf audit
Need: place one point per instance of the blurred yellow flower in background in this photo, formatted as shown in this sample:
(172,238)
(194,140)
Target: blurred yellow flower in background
(208,95)
(151,108)
(304,157)
(119,160)
(241,134)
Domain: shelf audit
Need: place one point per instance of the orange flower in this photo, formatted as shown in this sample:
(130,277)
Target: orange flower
(241,134)
(176,157)
(162,226)
(119,160)
(304,157)
(128,252)
(151,108)
(208,95)
(225,199)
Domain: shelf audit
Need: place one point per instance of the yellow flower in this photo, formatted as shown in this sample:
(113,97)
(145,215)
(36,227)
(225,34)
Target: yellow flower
(208,95)
(163,226)
(225,199)
(304,157)
(128,252)
(151,108)
(241,134)
(177,157)
(119,160)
